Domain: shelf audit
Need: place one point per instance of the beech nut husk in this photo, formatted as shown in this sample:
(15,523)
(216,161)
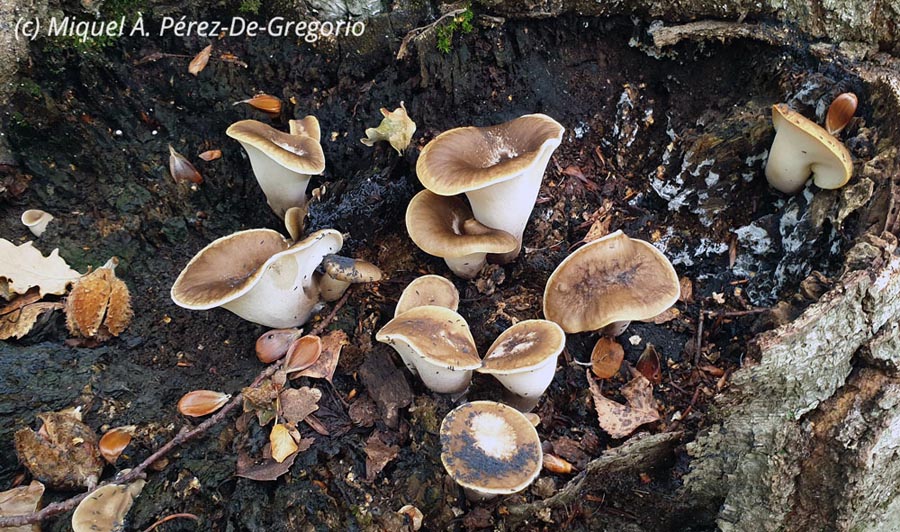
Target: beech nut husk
(274,344)
(303,353)
(202,402)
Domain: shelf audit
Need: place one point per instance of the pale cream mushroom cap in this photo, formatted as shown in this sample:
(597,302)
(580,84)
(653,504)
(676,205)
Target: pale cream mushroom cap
(308,126)
(612,279)
(36,221)
(428,290)
(801,147)
(107,507)
(490,448)
(341,272)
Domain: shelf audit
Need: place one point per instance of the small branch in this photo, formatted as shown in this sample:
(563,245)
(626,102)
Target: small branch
(735,313)
(183,435)
(170,518)
(705,30)
(416,32)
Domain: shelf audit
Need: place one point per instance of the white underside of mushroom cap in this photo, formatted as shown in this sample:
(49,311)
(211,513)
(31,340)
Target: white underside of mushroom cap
(284,188)
(530,383)
(467,266)
(440,379)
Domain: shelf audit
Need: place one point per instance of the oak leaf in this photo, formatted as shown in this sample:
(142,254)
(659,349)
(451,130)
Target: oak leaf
(18,317)
(24,267)
(621,420)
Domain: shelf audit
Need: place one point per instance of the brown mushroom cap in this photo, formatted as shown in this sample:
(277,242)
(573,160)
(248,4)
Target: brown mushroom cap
(308,126)
(428,290)
(439,335)
(444,227)
(298,153)
(490,448)
(350,270)
(614,278)
(470,158)
(230,266)
(524,347)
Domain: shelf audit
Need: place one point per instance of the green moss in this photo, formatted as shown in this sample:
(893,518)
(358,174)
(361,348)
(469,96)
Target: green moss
(444,32)
(250,6)
(111,10)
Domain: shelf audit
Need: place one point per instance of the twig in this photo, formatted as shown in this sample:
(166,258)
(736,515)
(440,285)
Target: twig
(720,30)
(735,313)
(416,32)
(183,435)
(698,345)
(171,517)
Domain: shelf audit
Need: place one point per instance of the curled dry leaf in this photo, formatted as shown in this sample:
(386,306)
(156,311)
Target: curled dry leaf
(23,267)
(114,442)
(324,367)
(63,453)
(274,344)
(261,401)
(296,404)
(378,454)
(211,155)
(555,464)
(200,403)
(840,112)
(396,128)
(687,290)
(99,305)
(649,365)
(303,353)
(19,316)
(621,420)
(181,169)
(198,63)
(282,443)
(106,508)
(21,500)
(264,102)
(606,358)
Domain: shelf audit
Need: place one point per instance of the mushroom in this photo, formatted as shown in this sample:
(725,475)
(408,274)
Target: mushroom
(801,147)
(106,507)
(282,163)
(36,221)
(341,272)
(523,359)
(294,221)
(499,168)
(490,449)
(608,283)
(444,227)
(436,344)
(428,290)
(258,275)
(307,126)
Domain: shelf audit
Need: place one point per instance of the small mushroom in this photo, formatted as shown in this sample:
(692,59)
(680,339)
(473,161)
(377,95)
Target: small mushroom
(499,168)
(523,359)
(490,449)
(428,290)
(341,272)
(444,227)
(294,221)
(802,147)
(436,344)
(106,508)
(36,221)
(608,283)
(282,163)
(257,274)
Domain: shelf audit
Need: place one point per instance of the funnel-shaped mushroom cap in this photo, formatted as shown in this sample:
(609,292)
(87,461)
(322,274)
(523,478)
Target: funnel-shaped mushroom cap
(307,126)
(36,221)
(524,347)
(490,448)
(257,274)
(614,278)
(282,163)
(341,272)
(428,290)
(434,342)
(499,168)
(801,147)
(444,227)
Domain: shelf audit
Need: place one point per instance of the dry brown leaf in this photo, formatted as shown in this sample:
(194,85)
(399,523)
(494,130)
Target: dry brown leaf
(19,316)
(296,404)
(261,401)
(621,420)
(840,112)
(649,366)
(555,464)
(20,501)
(602,219)
(211,155)
(606,358)
(396,128)
(378,455)
(283,444)
(198,63)
(687,290)
(363,412)
(23,267)
(266,470)
(324,367)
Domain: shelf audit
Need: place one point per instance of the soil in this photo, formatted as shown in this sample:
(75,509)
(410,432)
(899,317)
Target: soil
(669,149)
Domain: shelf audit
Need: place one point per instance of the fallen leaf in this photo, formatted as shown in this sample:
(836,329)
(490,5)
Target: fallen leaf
(687,290)
(840,112)
(324,367)
(19,316)
(211,155)
(198,63)
(20,501)
(266,470)
(63,453)
(621,420)
(296,404)
(378,455)
(261,401)
(649,365)
(283,444)
(23,267)
(181,169)
(386,386)
(274,344)
(396,128)
(606,358)
(602,219)
(363,412)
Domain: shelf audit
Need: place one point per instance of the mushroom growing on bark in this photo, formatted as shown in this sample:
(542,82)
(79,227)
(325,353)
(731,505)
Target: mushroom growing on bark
(428,290)
(282,163)
(436,344)
(802,147)
(490,449)
(341,272)
(523,359)
(36,221)
(444,227)
(499,168)
(608,283)
(257,274)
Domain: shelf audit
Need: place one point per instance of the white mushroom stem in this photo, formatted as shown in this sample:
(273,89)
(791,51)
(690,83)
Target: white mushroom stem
(467,266)
(284,188)
(524,389)
(440,379)
(615,328)
(332,289)
(507,205)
